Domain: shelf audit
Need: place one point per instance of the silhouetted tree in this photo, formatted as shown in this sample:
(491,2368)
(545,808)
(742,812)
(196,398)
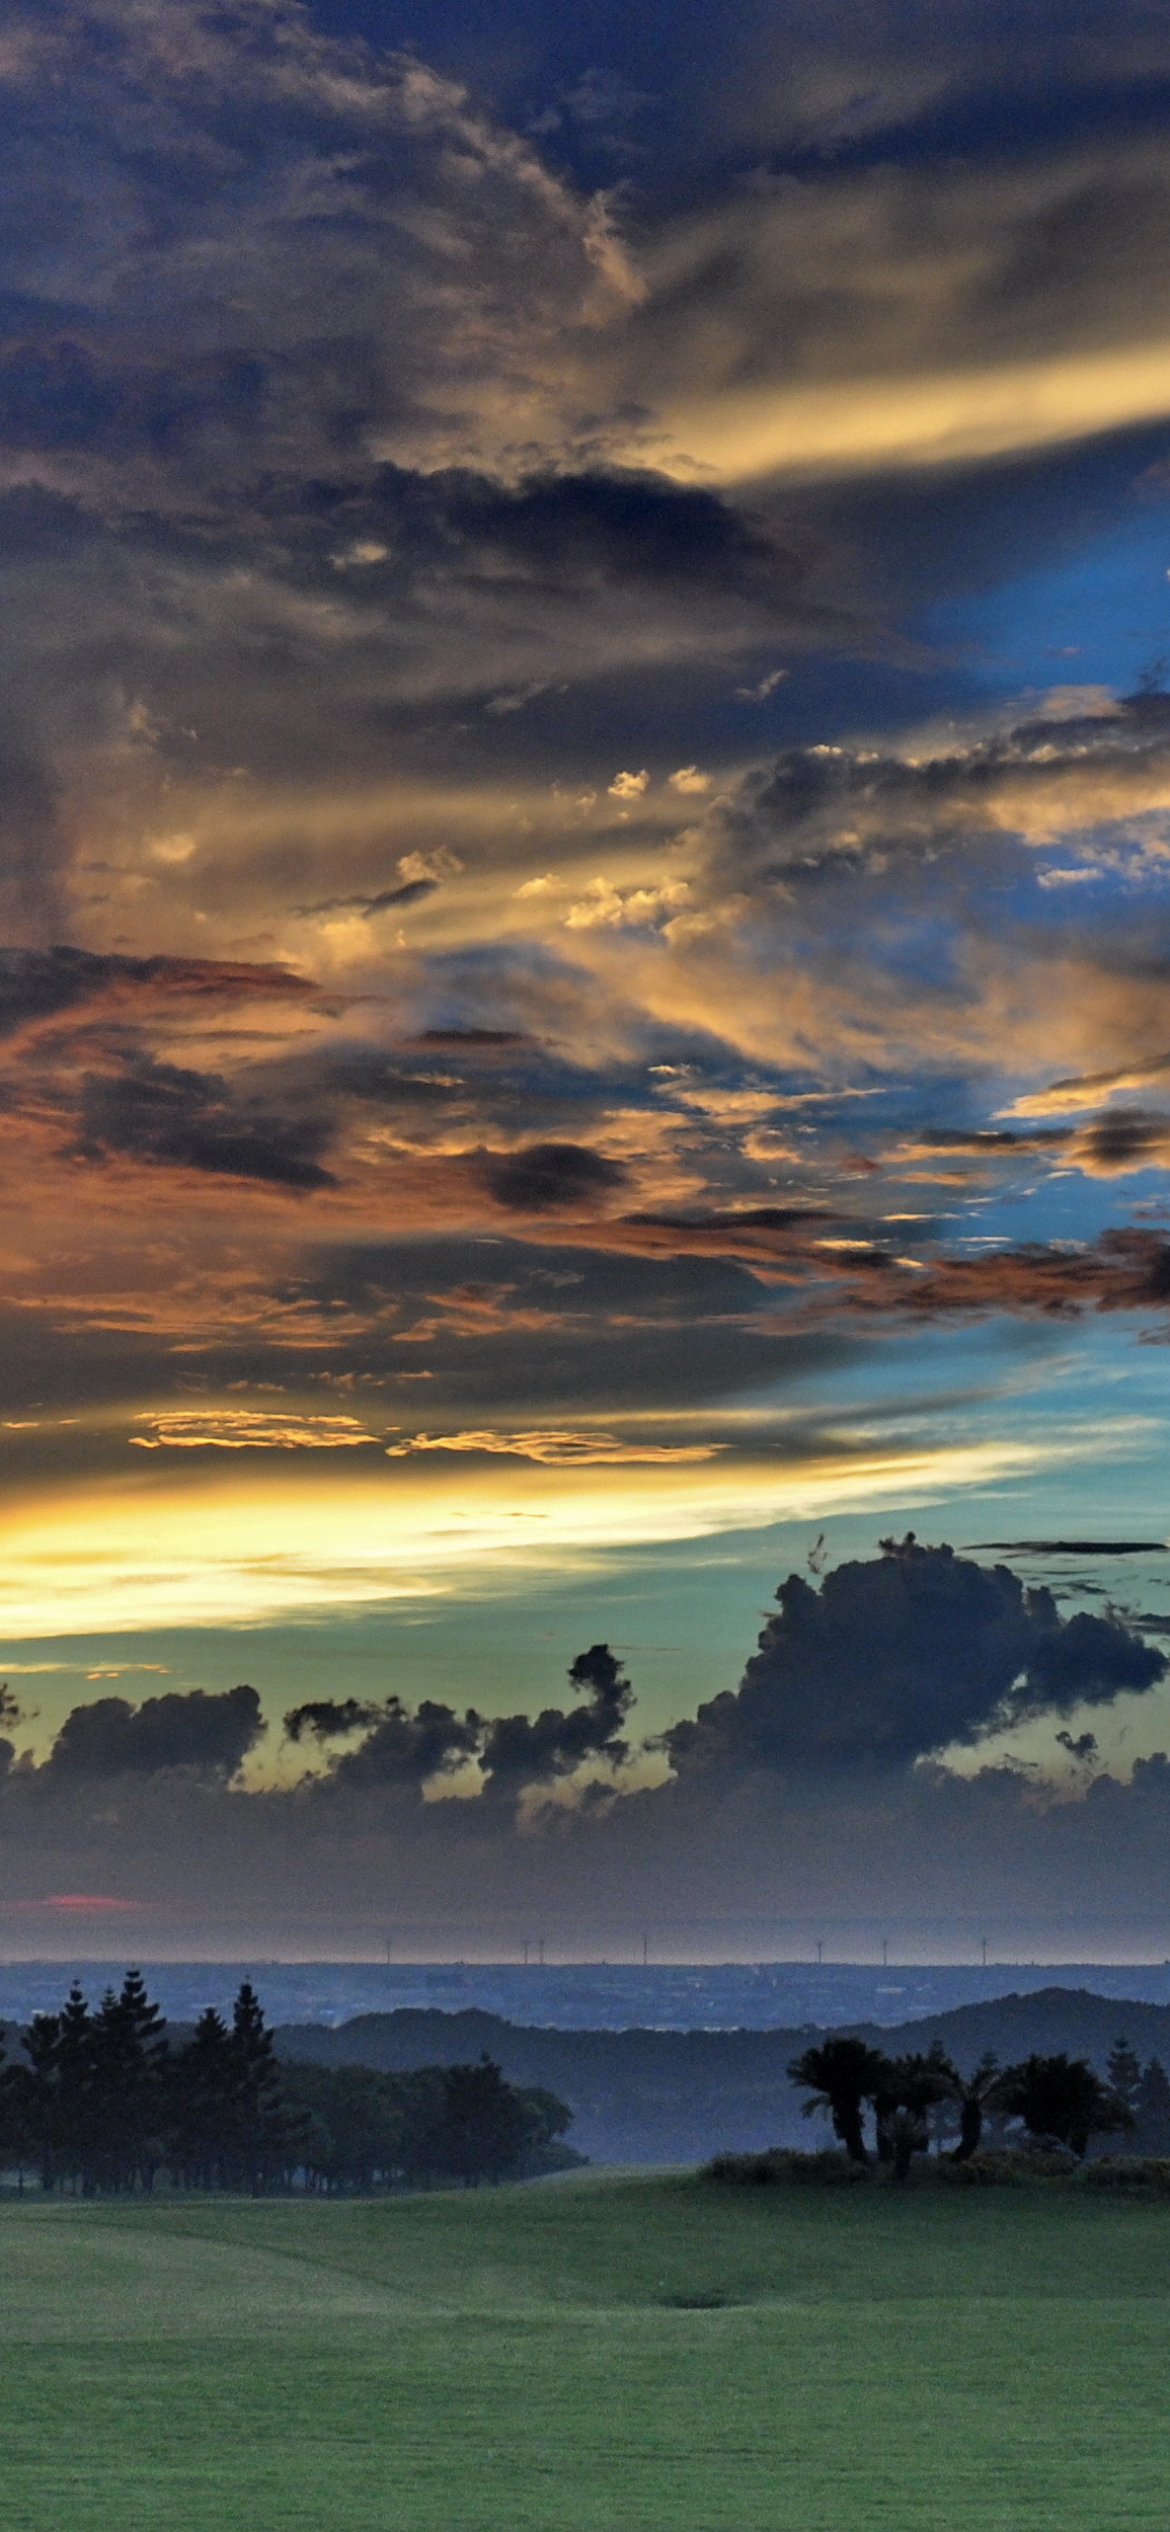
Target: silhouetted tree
(974,2094)
(483,2128)
(202,2104)
(261,2128)
(1151,2110)
(100,2101)
(1124,2073)
(842,2074)
(1060,2098)
(127,2103)
(355,2122)
(18,2135)
(908,2090)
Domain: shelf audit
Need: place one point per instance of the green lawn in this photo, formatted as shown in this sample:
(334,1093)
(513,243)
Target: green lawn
(942,2361)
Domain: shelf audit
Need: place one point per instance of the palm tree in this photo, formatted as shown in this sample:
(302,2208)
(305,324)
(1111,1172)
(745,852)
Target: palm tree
(842,2074)
(1061,2098)
(910,2089)
(974,2094)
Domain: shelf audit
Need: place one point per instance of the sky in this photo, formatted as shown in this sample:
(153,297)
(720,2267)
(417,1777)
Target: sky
(584,963)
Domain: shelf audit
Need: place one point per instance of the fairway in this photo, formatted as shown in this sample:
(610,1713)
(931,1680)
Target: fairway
(602,2354)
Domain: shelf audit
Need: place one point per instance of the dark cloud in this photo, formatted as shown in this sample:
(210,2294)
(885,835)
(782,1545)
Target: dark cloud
(769,1235)
(520,1751)
(990,1139)
(471,1039)
(113,1738)
(594,531)
(1123,1270)
(330,1718)
(39,984)
(408,893)
(543,1177)
(406,1748)
(1071,1547)
(819,818)
(901,1656)
(1123,1139)
(164,1113)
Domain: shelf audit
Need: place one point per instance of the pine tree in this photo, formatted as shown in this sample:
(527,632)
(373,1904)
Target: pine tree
(202,2104)
(128,2102)
(263,2130)
(1125,2074)
(72,2123)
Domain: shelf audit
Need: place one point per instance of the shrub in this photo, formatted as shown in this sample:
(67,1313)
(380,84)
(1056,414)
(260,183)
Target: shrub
(1129,2171)
(1006,2165)
(778,2163)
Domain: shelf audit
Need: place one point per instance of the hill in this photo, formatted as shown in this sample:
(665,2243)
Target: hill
(608,2351)
(680,2096)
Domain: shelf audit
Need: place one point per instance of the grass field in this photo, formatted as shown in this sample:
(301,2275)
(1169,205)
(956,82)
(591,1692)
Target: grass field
(555,2357)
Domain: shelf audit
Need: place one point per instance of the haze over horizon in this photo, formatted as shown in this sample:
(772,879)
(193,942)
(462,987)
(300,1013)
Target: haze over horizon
(584,958)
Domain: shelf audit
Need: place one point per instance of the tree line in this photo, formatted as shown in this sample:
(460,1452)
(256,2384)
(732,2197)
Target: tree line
(1054,2101)
(101,2100)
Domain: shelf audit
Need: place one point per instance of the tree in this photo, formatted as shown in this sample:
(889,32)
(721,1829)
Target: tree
(842,2074)
(1062,2099)
(261,2129)
(128,2093)
(484,2125)
(59,2050)
(1151,2110)
(356,2124)
(1124,2073)
(202,2104)
(18,2134)
(909,2089)
(974,2094)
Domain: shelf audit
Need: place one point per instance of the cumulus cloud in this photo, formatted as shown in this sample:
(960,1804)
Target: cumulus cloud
(520,1751)
(901,1656)
(402,1749)
(514,1753)
(211,1734)
(748,1830)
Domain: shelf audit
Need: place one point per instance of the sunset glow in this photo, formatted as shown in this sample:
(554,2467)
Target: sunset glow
(584,953)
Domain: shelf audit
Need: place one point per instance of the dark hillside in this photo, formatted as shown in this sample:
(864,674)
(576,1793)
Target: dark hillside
(679,2096)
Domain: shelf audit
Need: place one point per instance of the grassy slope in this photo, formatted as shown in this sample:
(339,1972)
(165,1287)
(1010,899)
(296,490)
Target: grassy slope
(991,2362)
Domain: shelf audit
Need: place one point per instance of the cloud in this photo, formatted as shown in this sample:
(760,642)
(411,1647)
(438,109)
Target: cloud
(40,987)
(250,1428)
(1125,1269)
(553,1449)
(164,1113)
(853,307)
(401,1749)
(109,1738)
(903,1656)
(1073,1547)
(615,909)
(546,1177)
(1123,1139)
(519,1752)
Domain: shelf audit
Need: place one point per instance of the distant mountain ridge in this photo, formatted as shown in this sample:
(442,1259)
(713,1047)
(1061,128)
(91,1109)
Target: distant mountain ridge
(647,2096)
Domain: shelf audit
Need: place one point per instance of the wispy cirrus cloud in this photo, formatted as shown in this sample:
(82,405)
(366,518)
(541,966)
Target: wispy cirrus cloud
(553,1449)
